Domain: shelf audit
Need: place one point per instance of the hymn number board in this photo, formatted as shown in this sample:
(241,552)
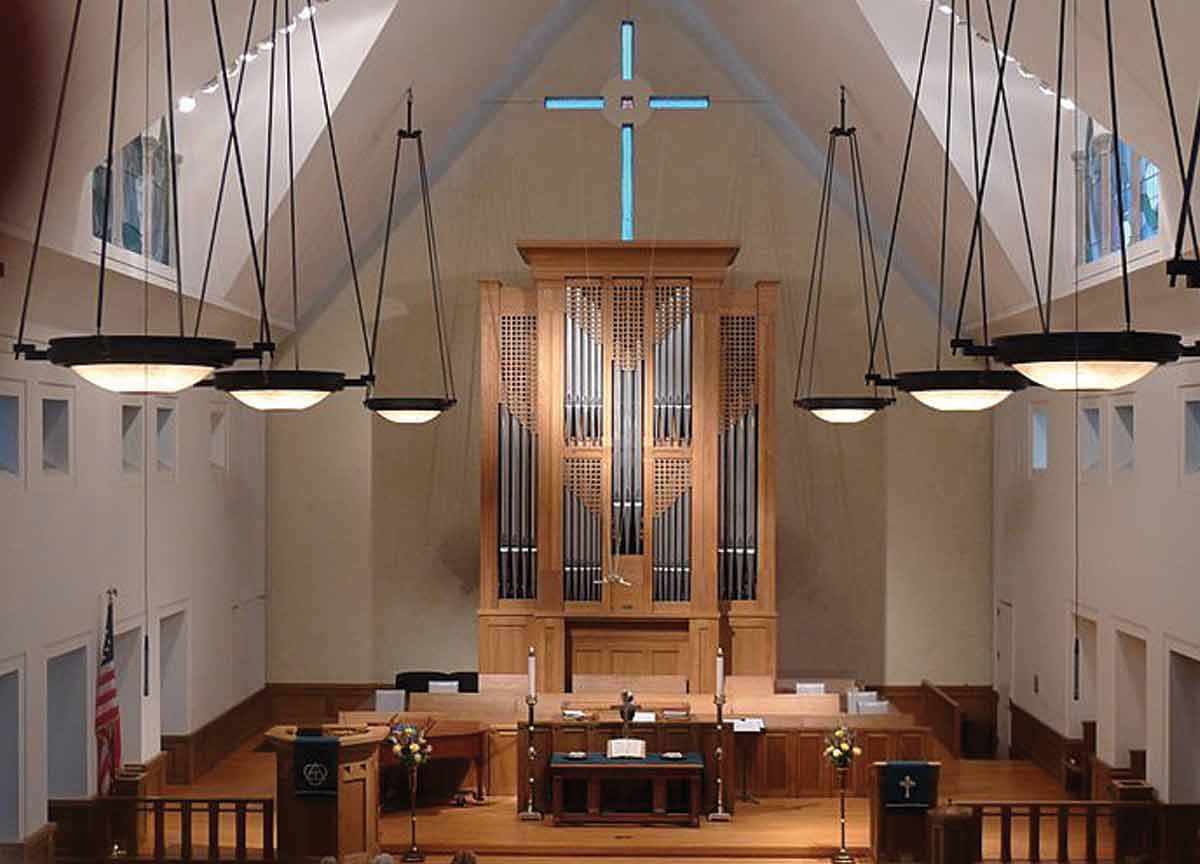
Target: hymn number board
(625,448)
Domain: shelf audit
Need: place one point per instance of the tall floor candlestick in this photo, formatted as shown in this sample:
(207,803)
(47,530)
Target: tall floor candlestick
(531,813)
(720,814)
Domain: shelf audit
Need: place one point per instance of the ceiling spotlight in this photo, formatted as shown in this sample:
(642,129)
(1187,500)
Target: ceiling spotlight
(233,70)
(250,56)
(187,104)
(1046,89)
(944,9)
(1067,104)
(266,45)
(306,13)
(288,30)
(1023,72)
(211,85)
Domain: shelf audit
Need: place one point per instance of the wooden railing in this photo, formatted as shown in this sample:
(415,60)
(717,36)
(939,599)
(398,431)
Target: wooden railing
(1066,831)
(164,830)
(944,716)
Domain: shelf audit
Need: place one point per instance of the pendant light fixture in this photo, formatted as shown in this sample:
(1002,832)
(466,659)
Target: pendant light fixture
(1082,359)
(281,389)
(411,409)
(128,363)
(969,389)
(849,408)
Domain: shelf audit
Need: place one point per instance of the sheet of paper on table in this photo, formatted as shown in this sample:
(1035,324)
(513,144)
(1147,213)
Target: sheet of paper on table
(644,717)
(748,724)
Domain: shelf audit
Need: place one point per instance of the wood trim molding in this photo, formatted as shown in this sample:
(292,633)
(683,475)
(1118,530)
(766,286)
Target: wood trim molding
(1048,749)
(37,848)
(189,756)
(317,703)
(979,704)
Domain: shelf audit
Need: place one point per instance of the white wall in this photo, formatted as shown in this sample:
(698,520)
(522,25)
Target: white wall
(64,539)
(1184,673)
(1137,553)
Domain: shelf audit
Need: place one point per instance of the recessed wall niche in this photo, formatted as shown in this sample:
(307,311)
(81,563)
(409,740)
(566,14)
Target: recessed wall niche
(218,436)
(133,438)
(165,437)
(1091,447)
(11,741)
(1191,435)
(1122,441)
(1039,444)
(10,430)
(56,435)
(67,724)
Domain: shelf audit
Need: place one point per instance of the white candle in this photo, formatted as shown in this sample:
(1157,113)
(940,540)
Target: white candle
(720,672)
(532,672)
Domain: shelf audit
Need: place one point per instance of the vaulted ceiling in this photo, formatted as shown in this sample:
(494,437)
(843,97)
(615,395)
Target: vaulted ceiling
(469,60)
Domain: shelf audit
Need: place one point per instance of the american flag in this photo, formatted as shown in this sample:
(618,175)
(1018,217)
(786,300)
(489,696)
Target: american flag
(108,711)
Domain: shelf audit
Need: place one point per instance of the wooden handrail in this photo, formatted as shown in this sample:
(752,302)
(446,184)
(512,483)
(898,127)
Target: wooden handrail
(942,713)
(1136,825)
(157,848)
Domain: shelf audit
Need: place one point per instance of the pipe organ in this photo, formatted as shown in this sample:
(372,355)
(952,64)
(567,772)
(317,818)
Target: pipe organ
(627,485)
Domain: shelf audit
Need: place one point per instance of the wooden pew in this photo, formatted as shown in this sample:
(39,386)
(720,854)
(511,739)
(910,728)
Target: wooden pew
(749,685)
(503,683)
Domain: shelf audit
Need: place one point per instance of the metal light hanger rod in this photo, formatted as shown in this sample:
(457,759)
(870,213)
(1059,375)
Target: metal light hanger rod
(841,408)
(270,389)
(410,409)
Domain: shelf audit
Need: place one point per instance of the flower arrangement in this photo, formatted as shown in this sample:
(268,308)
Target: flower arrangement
(409,745)
(840,749)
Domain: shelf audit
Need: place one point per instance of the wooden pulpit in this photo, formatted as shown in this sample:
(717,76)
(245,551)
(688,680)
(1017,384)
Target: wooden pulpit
(902,794)
(328,809)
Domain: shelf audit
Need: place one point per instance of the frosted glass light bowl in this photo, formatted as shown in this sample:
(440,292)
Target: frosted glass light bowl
(961,389)
(843,410)
(279,389)
(408,410)
(1087,360)
(150,365)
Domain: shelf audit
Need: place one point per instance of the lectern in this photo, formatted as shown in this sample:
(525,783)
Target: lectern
(326,792)
(902,793)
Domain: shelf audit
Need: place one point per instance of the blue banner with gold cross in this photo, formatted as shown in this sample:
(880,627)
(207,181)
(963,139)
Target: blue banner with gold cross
(909,784)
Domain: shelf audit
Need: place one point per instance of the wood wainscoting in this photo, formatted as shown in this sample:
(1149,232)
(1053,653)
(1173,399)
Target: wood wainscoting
(627,648)
(190,755)
(37,848)
(977,703)
(1034,740)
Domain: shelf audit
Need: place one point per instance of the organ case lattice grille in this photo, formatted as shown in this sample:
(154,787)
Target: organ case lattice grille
(629,388)
(672,530)
(672,361)
(583,545)
(583,362)
(737,460)
(517,448)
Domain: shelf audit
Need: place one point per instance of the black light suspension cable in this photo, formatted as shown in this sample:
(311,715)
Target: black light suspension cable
(1085,360)
(212,236)
(412,409)
(960,389)
(271,389)
(142,363)
(842,408)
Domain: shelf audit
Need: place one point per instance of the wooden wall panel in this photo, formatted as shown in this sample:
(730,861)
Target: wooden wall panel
(504,642)
(1034,740)
(37,848)
(189,756)
(752,645)
(627,650)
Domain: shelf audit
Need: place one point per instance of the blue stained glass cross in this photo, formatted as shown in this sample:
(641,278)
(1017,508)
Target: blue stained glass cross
(627,102)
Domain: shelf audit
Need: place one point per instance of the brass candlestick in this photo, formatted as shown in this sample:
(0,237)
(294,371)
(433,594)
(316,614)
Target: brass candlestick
(531,813)
(414,853)
(720,814)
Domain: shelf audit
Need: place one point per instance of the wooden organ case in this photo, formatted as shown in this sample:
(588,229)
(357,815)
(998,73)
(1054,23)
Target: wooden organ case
(628,484)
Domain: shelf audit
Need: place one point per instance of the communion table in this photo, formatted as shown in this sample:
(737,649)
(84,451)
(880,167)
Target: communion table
(604,803)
